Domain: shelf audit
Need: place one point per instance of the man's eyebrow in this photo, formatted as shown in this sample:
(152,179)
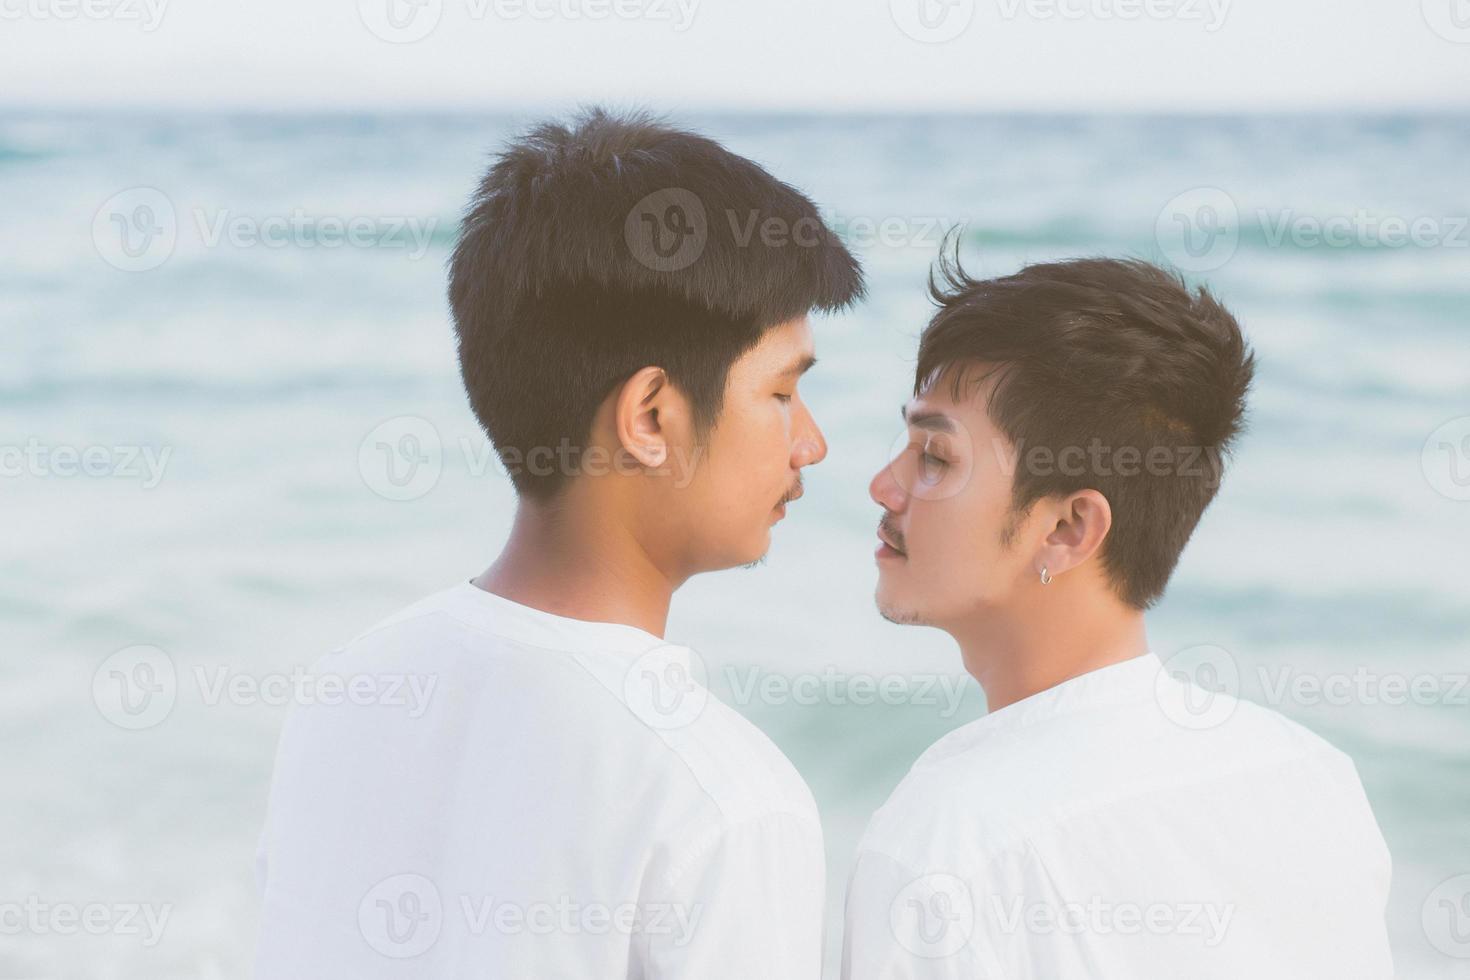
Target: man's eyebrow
(934,421)
(800,367)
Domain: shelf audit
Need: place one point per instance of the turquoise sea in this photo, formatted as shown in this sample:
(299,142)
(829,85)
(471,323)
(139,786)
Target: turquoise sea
(232,436)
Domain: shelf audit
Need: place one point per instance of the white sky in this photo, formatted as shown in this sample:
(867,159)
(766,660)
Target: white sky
(742,54)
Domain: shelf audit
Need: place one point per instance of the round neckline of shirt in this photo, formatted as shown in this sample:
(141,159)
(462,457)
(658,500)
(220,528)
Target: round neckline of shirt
(517,621)
(1110,686)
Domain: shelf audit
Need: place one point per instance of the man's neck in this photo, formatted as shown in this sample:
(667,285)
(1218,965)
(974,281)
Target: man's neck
(565,560)
(1014,658)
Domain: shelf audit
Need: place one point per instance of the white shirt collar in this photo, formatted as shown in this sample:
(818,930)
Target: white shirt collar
(1131,681)
(504,617)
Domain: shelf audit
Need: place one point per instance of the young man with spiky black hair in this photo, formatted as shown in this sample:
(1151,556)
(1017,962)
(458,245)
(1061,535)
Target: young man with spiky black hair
(1106,819)
(571,802)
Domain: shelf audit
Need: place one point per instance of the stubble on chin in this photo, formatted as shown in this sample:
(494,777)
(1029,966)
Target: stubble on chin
(900,617)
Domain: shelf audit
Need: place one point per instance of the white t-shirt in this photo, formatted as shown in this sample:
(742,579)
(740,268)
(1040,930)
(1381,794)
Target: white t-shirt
(1124,824)
(505,793)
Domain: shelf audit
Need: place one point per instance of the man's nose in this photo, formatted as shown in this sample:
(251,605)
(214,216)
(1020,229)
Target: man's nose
(811,445)
(887,492)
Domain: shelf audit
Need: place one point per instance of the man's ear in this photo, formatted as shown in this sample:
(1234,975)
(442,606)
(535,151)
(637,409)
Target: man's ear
(1082,521)
(645,408)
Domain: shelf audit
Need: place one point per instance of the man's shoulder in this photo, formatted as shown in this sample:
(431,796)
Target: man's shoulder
(964,797)
(647,699)
(982,791)
(737,766)
(407,627)
(1273,735)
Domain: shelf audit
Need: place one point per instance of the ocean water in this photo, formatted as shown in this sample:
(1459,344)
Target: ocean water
(233,437)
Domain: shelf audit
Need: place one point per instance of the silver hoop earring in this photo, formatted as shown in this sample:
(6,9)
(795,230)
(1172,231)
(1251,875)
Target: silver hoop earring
(1045,576)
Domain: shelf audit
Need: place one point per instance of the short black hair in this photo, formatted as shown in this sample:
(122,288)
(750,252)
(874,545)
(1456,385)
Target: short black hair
(1118,354)
(564,283)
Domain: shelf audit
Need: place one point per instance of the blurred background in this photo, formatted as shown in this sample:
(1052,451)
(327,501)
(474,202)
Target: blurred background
(232,433)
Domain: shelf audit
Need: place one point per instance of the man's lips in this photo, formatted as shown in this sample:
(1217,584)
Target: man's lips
(886,545)
(795,494)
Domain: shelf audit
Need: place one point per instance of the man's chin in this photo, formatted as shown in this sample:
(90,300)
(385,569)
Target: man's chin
(747,552)
(897,611)
(754,554)
(902,616)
